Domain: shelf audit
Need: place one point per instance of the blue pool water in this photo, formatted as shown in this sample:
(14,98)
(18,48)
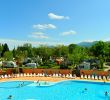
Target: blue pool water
(65,90)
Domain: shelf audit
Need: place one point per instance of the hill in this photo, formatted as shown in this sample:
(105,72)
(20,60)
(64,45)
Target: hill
(87,44)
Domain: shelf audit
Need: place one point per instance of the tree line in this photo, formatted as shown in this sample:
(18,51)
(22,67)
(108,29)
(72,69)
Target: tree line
(73,53)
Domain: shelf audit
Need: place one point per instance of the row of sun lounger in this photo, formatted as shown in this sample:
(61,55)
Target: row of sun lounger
(37,75)
(95,77)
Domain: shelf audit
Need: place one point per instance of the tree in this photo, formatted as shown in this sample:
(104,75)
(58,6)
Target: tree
(5,48)
(78,55)
(101,65)
(8,55)
(1,48)
(108,52)
(71,47)
(100,50)
(14,53)
(60,51)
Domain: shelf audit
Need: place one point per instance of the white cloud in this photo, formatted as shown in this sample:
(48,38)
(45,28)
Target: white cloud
(14,43)
(71,32)
(88,40)
(105,40)
(44,26)
(39,35)
(57,17)
(20,42)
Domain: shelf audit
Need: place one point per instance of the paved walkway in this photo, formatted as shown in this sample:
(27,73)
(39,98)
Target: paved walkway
(51,79)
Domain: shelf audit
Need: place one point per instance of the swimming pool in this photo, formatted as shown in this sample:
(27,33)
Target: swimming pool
(65,90)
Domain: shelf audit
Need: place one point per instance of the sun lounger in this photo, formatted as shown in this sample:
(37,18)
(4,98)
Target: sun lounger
(44,74)
(21,75)
(82,76)
(17,75)
(56,75)
(100,78)
(67,75)
(30,75)
(9,76)
(37,74)
(53,75)
(89,76)
(92,77)
(59,75)
(41,74)
(104,77)
(72,76)
(25,75)
(34,75)
(2,76)
(49,75)
(108,78)
(85,76)
(5,76)
(63,75)
(96,77)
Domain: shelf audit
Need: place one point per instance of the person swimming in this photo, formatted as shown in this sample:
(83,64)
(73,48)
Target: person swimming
(19,85)
(106,93)
(45,82)
(9,97)
(38,81)
(84,90)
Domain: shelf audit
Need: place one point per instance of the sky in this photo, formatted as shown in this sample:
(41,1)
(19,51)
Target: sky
(53,22)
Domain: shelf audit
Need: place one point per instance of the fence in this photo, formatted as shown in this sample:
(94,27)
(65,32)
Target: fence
(48,71)
(96,72)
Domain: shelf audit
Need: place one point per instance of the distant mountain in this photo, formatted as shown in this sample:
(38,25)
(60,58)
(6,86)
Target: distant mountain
(87,44)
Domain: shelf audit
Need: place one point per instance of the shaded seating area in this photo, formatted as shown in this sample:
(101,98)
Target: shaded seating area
(95,75)
(56,73)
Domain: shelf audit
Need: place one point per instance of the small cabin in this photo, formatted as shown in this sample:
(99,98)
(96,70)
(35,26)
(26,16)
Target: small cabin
(32,65)
(9,64)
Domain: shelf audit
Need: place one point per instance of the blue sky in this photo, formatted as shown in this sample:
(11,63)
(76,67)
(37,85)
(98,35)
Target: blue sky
(53,22)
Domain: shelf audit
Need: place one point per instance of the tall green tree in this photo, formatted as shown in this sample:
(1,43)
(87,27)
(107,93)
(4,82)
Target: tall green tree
(100,50)
(5,48)
(1,48)
(71,47)
(8,55)
(78,55)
